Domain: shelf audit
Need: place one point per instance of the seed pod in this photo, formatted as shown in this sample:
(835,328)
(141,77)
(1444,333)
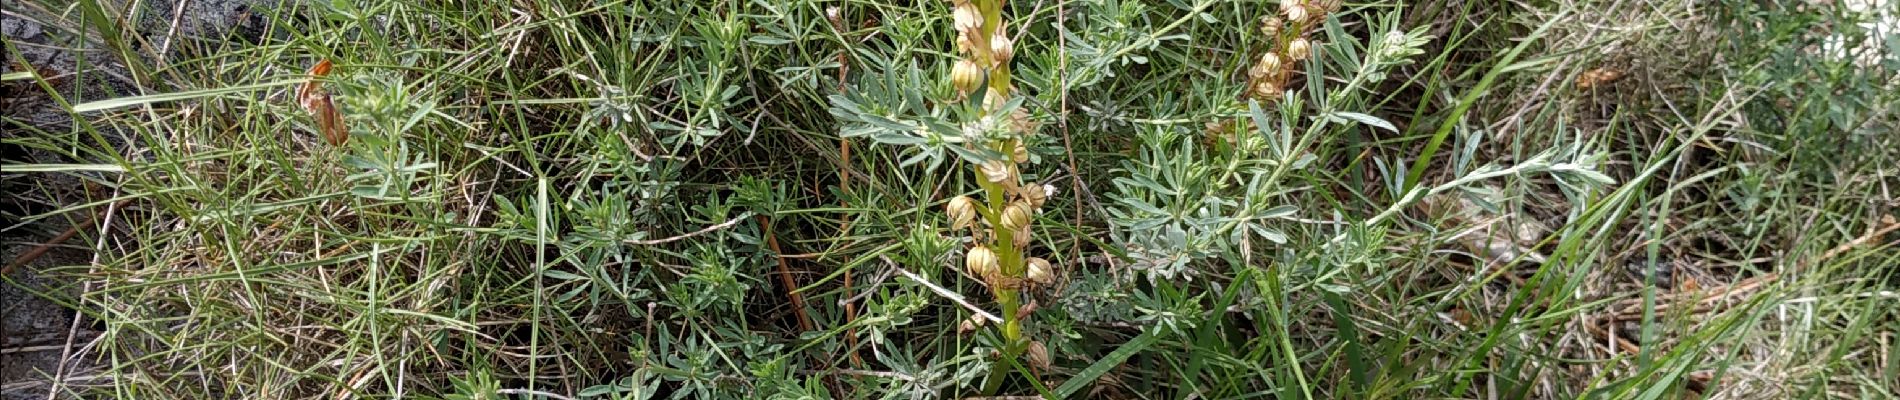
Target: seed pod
(1021,154)
(962,212)
(1035,195)
(1270,25)
(1295,13)
(1039,271)
(981,262)
(1015,216)
(966,76)
(1267,90)
(966,18)
(997,171)
(1269,65)
(1002,49)
(1037,355)
(1299,49)
(993,99)
(1020,122)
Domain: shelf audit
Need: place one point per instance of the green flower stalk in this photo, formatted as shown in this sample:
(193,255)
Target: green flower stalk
(1008,208)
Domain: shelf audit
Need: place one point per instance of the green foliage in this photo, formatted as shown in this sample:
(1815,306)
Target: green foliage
(653,199)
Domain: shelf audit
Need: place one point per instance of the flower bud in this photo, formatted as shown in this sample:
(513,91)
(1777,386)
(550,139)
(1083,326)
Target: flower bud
(1002,49)
(966,18)
(1039,271)
(1015,216)
(981,262)
(966,76)
(962,211)
(1299,49)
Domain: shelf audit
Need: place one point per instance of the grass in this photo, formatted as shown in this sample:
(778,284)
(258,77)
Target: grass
(637,199)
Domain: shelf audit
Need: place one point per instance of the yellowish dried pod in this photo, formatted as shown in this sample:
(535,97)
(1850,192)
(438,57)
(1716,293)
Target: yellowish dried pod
(1002,49)
(1269,65)
(966,76)
(1295,13)
(1270,25)
(982,262)
(1039,271)
(998,171)
(962,212)
(1035,195)
(1037,355)
(966,18)
(1299,49)
(1015,216)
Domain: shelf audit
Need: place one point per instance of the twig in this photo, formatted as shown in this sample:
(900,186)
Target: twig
(946,293)
(1872,234)
(41,250)
(836,15)
(722,225)
(533,392)
(785,276)
(72,331)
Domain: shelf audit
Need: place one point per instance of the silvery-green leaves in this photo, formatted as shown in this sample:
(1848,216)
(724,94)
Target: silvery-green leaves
(889,108)
(1174,207)
(1390,48)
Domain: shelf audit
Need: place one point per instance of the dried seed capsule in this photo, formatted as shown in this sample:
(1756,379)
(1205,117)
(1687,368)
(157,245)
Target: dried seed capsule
(1299,49)
(966,76)
(1270,25)
(1295,14)
(1020,122)
(1002,49)
(1039,271)
(1015,216)
(1036,195)
(1021,154)
(998,171)
(1269,65)
(1037,355)
(966,18)
(1267,90)
(981,262)
(962,212)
